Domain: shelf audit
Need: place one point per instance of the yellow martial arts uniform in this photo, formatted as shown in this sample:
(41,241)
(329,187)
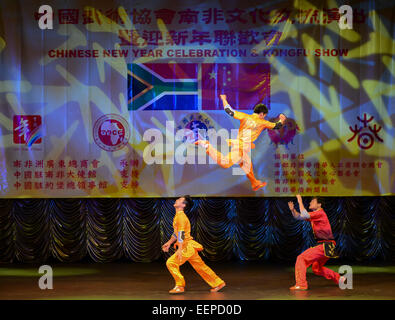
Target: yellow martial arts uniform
(189,253)
(251,127)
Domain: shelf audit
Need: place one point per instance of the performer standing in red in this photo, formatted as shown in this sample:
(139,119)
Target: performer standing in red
(315,256)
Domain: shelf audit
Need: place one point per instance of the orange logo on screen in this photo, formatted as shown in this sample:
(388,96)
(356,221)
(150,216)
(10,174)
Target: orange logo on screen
(111,132)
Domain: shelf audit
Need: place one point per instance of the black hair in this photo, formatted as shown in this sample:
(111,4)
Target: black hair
(260,107)
(320,200)
(188,202)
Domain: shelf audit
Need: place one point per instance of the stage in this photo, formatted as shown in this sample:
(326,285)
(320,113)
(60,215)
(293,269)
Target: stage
(151,281)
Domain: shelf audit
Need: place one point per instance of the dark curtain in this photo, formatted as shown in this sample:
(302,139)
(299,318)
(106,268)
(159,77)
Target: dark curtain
(105,230)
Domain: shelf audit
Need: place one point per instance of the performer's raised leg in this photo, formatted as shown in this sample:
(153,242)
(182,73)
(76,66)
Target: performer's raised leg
(223,161)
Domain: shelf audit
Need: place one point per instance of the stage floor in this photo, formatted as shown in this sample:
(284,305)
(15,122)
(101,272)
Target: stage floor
(141,281)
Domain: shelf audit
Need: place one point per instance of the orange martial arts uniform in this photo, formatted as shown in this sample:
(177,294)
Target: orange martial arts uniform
(251,127)
(189,253)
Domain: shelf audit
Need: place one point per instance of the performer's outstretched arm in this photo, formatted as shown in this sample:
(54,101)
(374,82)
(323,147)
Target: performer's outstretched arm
(277,125)
(303,215)
(300,202)
(228,109)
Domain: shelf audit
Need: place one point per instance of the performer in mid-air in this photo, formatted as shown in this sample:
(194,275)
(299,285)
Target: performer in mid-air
(187,250)
(251,127)
(318,255)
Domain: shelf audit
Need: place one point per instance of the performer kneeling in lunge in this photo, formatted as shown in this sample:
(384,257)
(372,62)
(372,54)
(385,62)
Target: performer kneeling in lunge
(251,127)
(318,255)
(187,251)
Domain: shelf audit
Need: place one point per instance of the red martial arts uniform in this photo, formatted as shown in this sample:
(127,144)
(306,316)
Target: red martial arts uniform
(317,256)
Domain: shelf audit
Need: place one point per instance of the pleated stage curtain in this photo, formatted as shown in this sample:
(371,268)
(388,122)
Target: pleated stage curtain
(106,230)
